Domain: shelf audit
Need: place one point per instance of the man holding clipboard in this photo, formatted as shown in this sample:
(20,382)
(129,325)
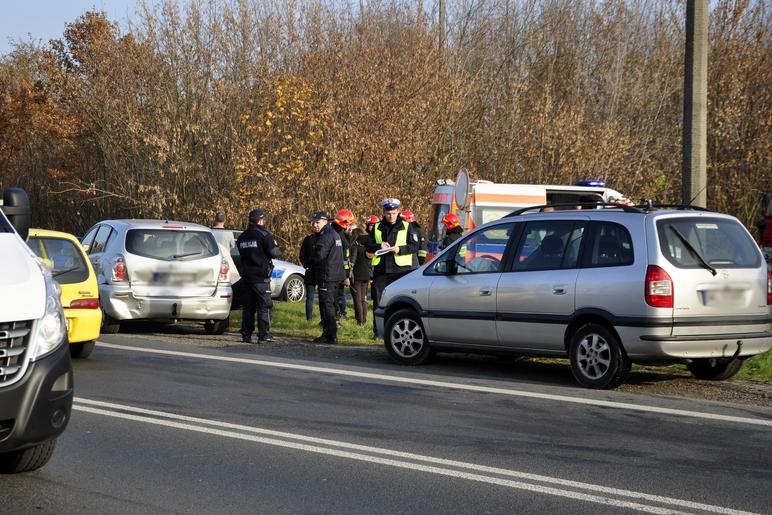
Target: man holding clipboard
(393,242)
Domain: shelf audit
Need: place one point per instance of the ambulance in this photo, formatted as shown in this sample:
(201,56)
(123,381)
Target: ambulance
(479,202)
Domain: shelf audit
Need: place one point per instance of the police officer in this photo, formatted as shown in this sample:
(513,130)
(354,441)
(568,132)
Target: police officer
(396,241)
(327,264)
(257,248)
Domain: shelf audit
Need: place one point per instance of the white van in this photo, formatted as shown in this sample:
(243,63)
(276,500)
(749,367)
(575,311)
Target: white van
(36,386)
(479,202)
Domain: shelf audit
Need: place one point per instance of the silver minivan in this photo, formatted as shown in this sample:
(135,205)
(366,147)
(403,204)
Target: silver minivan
(159,270)
(604,287)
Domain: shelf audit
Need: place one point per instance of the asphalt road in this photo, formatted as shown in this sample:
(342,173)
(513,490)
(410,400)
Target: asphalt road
(183,424)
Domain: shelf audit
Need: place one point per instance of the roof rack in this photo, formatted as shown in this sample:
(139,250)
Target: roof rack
(573,205)
(649,205)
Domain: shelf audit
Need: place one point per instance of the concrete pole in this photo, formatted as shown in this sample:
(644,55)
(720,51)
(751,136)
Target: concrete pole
(695,104)
(441,39)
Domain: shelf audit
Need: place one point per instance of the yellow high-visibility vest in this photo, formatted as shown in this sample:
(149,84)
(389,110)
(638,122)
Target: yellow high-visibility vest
(400,260)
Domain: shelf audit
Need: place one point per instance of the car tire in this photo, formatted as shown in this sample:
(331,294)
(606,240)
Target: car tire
(714,369)
(216,326)
(25,460)
(294,289)
(405,339)
(109,324)
(82,349)
(597,358)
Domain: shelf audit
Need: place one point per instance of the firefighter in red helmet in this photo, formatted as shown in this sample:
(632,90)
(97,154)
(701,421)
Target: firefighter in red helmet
(423,249)
(453,230)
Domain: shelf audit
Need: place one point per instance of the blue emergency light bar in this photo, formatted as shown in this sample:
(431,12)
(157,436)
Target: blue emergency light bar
(592,184)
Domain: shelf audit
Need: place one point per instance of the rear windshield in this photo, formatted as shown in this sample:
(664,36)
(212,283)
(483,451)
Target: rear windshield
(171,244)
(720,242)
(63,258)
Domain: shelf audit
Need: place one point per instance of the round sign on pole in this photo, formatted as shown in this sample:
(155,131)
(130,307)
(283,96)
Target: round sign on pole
(462,189)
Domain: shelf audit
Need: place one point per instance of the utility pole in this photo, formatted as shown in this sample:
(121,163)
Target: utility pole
(694,140)
(441,39)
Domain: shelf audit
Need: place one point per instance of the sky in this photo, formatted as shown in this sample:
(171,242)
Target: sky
(45,19)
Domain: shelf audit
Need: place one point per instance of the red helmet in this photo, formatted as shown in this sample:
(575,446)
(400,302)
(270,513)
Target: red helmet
(344,218)
(407,216)
(450,220)
(372,220)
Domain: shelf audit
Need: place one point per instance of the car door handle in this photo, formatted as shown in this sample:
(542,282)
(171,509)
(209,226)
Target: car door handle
(484,292)
(558,291)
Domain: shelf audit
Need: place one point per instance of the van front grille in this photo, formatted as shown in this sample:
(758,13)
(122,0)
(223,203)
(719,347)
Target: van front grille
(14,342)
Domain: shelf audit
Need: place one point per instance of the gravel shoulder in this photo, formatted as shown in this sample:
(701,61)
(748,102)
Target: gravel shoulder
(666,382)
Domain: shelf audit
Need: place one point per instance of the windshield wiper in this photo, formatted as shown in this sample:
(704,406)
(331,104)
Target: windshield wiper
(178,256)
(696,254)
(57,273)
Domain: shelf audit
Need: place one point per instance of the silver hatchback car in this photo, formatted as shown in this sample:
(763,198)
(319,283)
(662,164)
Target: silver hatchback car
(159,270)
(605,287)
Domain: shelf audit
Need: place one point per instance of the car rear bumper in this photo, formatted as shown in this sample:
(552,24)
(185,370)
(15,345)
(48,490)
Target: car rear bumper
(723,345)
(83,324)
(37,408)
(124,305)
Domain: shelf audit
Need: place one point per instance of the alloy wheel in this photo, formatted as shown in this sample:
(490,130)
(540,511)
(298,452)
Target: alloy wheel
(594,356)
(407,338)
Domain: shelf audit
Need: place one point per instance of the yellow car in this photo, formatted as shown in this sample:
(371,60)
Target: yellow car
(63,254)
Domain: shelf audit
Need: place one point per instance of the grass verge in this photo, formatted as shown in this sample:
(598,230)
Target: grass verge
(289,319)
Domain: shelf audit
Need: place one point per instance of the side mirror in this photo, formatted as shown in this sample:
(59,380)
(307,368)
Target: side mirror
(17,210)
(444,267)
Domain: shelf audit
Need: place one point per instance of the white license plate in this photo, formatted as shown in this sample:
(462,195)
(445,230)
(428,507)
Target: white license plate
(722,296)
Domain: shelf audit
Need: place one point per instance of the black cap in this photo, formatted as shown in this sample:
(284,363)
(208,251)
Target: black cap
(319,215)
(256,214)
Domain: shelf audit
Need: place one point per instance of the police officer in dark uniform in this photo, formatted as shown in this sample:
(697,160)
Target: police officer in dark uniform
(327,264)
(393,243)
(257,248)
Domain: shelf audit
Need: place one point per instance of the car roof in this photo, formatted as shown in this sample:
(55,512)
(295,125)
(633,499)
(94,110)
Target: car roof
(48,233)
(156,224)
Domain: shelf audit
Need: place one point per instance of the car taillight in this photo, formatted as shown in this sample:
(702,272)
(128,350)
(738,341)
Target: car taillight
(224,270)
(769,287)
(85,304)
(119,269)
(659,288)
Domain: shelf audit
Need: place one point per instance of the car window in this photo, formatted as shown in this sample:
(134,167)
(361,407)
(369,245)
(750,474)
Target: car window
(89,238)
(609,245)
(100,240)
(171,244)
(483,251)
(549,244)
(62,256)
(722,243)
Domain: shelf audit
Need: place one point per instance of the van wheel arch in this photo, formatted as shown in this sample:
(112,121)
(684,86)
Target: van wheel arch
(585,319)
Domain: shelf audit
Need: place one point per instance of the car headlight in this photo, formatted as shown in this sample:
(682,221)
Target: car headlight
(276,273)
(52,328)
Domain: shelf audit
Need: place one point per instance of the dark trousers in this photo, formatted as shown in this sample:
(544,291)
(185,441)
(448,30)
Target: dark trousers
(257,300)
(380,282)
(328,293)
(341,300)
(310,288)
(359,292)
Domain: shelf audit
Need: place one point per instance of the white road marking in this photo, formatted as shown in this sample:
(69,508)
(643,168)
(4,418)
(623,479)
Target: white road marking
(455,386)
(327,447)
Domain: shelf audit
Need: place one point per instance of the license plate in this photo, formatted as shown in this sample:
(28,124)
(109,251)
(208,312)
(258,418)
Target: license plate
(722,296)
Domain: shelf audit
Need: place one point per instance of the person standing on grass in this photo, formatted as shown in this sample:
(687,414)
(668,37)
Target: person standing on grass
(327,264)
(306,252)
(362,272)
(258,248)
